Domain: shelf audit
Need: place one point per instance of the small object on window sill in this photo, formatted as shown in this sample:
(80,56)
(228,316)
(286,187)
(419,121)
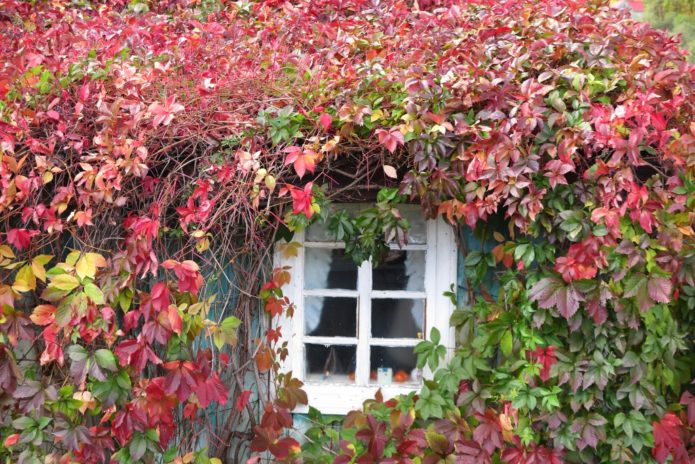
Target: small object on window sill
(419,335)
(372,375)
(351,376)
(401,376)
(384,376)
(416,374)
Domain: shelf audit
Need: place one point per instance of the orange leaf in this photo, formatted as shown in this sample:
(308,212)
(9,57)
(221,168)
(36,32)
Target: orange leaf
(264,358)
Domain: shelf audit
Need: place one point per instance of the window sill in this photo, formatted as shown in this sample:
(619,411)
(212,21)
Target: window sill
(340,399)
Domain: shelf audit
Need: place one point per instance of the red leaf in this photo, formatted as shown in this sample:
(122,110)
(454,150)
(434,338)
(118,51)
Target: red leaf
(164,113)
(20,238)
(325,120)
(43,314)
(667,440)
(488,433)
(303,160)
(301,200)
(687,399)
(11,440)
(275,306)
(212,389)
(136,353)
(83,93)
(242,400)
(285,447)
(546,358)
(659,289)
(181,379)
(390,140)
(551,292)
(187,273)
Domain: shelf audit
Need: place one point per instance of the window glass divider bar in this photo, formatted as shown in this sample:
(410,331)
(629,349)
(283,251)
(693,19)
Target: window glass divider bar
(364,322)
(331,292)
(406,247)
(393,342)
(327,245)
(400,294)
(318,340)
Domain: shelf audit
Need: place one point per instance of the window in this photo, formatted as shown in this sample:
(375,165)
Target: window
(355,326)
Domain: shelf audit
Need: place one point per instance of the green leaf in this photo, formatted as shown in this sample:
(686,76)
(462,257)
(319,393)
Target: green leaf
(227,332)
(23,423)
(106,360)
(94,293)
(63,314)
(137,447)
(506,343)
(435,336)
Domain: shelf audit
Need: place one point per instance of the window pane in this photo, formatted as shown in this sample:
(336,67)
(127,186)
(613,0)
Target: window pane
(400,318)
(325,268)
(400,270)
(318,233)
(332,364)
(393,365)
(330,316)
(417,234)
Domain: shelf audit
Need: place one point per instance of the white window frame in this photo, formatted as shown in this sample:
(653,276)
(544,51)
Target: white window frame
(440,273)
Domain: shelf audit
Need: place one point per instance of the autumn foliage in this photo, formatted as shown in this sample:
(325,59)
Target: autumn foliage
(151,154)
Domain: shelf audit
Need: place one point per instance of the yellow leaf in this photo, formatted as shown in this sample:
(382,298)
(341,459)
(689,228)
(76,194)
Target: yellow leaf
(43,259)
(6,251)
(87,401)
(47,177)
(65,282)
(289,250)
(37,265)
(6,296)
(215,461)
(24,281)
(72,258)
(202,245)
(12,265)
(88,263)
(376,115)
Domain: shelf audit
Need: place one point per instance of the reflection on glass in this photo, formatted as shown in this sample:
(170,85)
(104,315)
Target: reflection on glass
(400,318)
(393,365)
(400,270)
(330,363)
(325,268)
(330,316)
(417,234)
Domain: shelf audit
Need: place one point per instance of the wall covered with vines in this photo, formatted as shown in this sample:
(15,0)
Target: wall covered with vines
(151,154)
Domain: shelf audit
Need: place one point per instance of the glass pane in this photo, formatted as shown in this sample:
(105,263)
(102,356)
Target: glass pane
(398,318)
(318,233)
(400,270)
(330,316)
(390,365)
(417,233)
(325,268)
(330,363)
